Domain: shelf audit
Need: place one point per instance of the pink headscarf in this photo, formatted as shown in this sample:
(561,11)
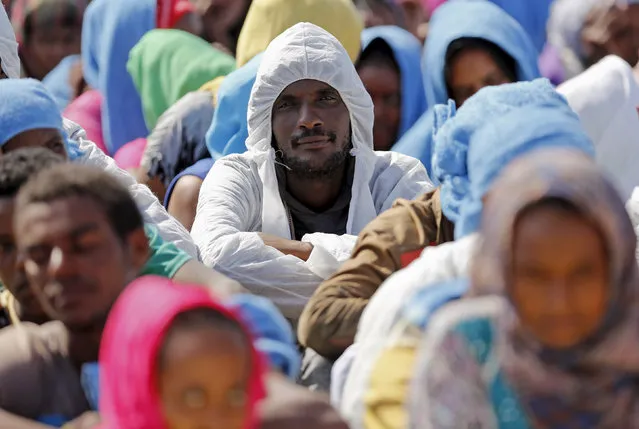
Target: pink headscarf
(431,5)
(131,342)
(86,111)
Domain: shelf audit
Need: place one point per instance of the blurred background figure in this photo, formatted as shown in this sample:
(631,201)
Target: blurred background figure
(390,68)
(48,31)
(585,31)
(222,20)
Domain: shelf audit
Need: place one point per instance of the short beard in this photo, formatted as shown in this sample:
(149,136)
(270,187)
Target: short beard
(304,169)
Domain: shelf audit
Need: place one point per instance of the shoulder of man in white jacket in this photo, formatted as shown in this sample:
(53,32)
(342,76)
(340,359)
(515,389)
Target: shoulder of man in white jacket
(152,211)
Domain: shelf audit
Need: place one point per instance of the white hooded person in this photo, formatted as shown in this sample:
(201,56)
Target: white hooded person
(282,216)
(169,229)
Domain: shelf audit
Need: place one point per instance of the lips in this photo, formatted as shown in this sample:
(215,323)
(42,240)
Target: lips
(312,140)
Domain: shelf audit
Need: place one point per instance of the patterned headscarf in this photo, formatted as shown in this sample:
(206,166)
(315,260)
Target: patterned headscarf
(27,14)
(593,384)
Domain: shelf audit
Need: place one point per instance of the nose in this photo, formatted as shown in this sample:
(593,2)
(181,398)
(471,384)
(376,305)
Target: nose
(308,117)
(559,296)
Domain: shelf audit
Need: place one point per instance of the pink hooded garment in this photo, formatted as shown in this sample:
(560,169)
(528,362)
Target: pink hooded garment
(431,5)
(86,111)
(131,342)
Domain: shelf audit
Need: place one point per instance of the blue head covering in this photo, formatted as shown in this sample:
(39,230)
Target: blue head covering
(452,21)
(407,52)
(111,30)
(492,128)
(57,81)
(273,334)
(92,41)
(229,129)
(479,20)
(26,105)
(532,16)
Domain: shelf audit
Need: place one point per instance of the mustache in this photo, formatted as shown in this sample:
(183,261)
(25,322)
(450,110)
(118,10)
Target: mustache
(314,132)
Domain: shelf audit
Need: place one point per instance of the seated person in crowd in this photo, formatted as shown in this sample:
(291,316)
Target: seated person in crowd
(390,68)
(280,218)
(548,334)
(228,131)
(471,45)
(83,241)
(187,338)
(18,302)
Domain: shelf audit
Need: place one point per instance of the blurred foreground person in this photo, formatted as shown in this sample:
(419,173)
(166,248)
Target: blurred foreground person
(548,334)
(187,361)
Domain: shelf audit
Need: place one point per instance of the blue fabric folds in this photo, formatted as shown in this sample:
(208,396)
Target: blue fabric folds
(58,83)
(273,334)
(453,21)
(27,105)
(112,28)
(496,125)
(407,52)
(229,129)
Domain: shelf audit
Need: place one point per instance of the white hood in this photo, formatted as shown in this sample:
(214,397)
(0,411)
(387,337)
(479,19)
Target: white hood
(8,47)
(306,51)
(606,98)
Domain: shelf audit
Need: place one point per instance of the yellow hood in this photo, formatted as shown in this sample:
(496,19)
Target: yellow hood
(267,19)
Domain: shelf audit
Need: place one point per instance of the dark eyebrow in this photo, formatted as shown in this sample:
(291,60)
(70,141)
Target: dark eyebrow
(84,229)
(75,233)
(56,139)
(328,91)
(285,97)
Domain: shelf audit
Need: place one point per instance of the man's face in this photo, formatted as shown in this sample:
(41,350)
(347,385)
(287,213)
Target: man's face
(15,279)
(73,259)
(222,20)
(311,128)
(47,138)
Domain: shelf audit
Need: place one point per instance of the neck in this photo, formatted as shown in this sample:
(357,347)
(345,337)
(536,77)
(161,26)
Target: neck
(84,345)
(317,194)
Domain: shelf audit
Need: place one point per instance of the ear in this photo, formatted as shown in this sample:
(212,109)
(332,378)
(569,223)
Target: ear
(138,246)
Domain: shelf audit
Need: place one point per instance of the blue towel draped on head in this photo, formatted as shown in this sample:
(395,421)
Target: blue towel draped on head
(26,105)
(453,21)
(532,15)
(492,128)
(229,129)
(123,23)
(407,52)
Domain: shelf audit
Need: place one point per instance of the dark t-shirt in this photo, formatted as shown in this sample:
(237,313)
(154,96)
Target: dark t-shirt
(37,379)
(306,221)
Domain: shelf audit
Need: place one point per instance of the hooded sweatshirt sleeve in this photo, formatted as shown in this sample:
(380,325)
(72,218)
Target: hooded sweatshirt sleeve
(226,232)
(152,211)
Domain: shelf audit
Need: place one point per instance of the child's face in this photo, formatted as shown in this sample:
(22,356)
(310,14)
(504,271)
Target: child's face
(203,379)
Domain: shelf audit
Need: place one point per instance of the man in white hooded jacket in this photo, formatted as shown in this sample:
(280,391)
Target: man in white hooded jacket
(281,217)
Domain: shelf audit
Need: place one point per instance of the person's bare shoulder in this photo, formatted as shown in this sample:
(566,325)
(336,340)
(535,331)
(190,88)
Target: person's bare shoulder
(23,349)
